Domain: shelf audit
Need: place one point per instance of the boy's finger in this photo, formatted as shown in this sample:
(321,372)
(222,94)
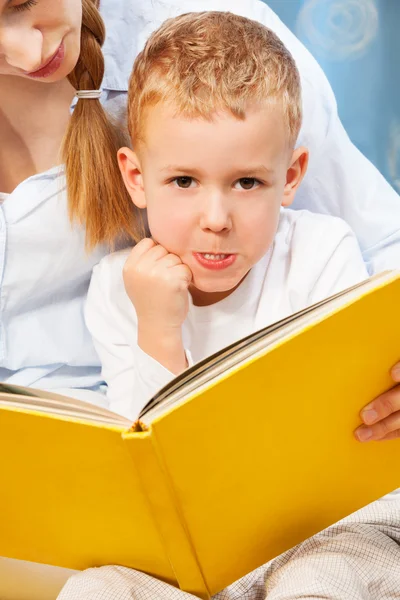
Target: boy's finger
(380,430)
(156,253)
(141,248)
(171,261)
(186,273)
(383,406)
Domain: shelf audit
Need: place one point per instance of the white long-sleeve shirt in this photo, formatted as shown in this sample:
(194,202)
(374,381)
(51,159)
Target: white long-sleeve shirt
(312,257)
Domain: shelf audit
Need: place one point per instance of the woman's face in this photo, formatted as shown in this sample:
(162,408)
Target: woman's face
(39,39)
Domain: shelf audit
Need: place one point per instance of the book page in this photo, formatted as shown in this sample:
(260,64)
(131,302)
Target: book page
(210,369)
(54,404)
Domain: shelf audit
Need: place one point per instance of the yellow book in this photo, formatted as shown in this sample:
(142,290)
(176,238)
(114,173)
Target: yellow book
(238,459)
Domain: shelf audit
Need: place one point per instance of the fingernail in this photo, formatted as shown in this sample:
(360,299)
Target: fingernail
(396,372)
(369,416)
(364,434)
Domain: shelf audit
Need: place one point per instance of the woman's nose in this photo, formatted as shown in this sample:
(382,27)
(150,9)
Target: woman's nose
(21,48)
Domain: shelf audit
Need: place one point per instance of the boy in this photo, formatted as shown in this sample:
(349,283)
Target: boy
(214,116)
(214,113)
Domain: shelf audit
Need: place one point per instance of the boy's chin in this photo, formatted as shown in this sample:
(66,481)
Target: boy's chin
(208,291)
(215,287)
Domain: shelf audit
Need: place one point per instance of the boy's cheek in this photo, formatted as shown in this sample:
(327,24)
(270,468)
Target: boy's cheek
(260,233)
(169,232)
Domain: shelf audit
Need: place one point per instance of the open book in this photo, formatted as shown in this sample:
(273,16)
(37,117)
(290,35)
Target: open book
(236,460)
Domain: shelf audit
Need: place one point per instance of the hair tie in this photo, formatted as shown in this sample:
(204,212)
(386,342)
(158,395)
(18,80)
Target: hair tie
(88,94)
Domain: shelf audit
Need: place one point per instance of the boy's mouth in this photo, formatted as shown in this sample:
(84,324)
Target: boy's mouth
(213,261)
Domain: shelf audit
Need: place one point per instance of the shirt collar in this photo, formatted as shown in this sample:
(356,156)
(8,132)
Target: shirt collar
(33,192)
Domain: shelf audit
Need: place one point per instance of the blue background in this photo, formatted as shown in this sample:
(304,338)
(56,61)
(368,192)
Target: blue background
(357,43)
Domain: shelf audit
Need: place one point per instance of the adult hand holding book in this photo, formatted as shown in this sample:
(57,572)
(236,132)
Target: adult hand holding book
(381,417)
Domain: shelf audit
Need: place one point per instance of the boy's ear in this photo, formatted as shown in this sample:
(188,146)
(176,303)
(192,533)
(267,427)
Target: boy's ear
(129,165)
(295,173)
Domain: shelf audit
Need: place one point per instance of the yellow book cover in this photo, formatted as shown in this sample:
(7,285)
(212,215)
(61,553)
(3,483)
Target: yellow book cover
(242,457)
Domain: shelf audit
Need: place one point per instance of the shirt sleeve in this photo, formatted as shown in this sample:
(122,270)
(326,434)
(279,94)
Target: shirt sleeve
(132,376)
(342,265)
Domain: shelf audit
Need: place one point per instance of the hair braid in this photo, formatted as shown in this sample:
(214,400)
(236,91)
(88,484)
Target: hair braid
(97,197)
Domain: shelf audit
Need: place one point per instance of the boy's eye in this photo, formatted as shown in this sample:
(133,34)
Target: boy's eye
(247,183)
(183,182)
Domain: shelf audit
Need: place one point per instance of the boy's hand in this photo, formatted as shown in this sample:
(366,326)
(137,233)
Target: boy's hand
(157,283)
(382,416)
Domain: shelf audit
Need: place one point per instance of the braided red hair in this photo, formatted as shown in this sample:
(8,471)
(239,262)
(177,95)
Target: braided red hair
(97,197)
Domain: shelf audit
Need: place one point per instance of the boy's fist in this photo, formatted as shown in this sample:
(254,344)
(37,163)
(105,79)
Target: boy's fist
(157,283)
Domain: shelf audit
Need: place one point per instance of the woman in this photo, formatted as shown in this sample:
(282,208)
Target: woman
(48,50)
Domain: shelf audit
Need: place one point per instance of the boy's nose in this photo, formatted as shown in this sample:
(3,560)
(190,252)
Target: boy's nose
(21,48)
(216,216)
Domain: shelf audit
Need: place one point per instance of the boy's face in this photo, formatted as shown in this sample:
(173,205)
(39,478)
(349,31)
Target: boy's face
(213,190)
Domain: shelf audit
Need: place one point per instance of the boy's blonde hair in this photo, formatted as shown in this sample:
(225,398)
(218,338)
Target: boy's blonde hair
(209,61)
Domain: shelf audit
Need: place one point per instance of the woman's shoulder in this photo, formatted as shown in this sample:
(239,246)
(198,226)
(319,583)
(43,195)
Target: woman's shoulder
(123,24)
(129,23)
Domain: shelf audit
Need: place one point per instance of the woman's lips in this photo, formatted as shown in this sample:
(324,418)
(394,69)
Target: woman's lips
(214,262)
(51,66)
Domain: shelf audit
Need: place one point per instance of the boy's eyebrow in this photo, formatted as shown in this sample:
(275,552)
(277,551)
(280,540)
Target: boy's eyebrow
(177,168)
(242,172)
(246,171)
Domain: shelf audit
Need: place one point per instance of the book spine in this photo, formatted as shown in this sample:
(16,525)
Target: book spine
(166,514)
